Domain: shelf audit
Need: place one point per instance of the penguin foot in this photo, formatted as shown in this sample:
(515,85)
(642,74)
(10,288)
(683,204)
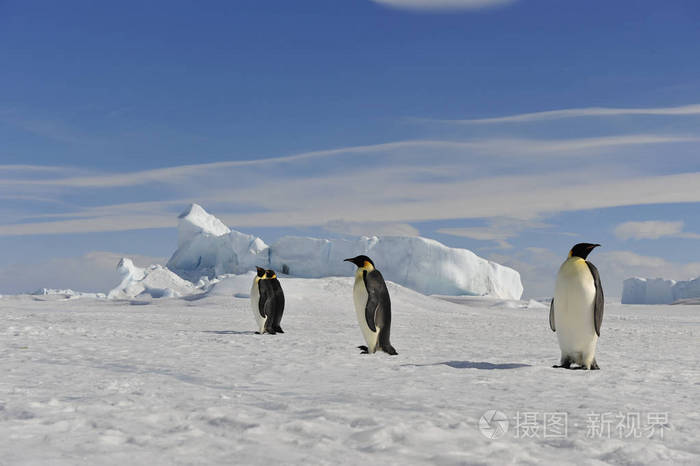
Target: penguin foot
(364,349)
(390,350)
(594,366)
(566,362)
(279,329)
(563,366)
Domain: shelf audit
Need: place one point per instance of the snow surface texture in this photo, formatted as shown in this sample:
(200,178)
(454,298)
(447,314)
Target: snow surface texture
(207,248)
(186,381)
(659,291)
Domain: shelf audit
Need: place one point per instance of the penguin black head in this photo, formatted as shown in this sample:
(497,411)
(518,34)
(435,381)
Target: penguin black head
(270,274)
(582,250)
(360,261)
(261,271)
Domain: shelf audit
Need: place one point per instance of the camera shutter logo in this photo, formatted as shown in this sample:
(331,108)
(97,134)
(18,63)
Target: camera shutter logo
(493,424)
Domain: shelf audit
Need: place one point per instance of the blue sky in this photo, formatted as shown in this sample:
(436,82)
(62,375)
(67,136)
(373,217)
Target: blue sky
(513,128)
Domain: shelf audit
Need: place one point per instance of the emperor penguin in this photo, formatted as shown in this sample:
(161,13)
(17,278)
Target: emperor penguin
(576,311)
(372,305)
(260,294)
(276,300)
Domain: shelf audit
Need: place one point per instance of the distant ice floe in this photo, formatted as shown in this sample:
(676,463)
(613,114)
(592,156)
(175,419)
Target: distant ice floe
(659,291)
(65,294)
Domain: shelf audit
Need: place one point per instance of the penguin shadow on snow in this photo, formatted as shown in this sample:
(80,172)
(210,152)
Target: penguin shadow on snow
(474,365)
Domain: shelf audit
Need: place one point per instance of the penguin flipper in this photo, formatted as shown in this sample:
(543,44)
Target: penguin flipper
(378,307)
(551,316)
(599,303)
(370,311)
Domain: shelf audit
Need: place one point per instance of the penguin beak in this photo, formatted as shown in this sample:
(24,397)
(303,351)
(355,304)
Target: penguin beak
(352,260)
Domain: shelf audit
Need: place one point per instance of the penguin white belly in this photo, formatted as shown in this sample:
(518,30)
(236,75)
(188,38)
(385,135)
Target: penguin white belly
(360,297)
(254,305)
(574,299)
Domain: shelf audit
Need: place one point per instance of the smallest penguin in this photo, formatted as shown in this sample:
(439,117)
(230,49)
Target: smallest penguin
(267,301)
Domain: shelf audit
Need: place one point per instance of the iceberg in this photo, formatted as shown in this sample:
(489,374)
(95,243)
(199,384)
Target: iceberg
(154,281)
(422,264)
(658,291)
(207,249)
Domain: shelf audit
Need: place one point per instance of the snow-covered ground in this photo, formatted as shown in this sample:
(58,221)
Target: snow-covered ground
(186,381)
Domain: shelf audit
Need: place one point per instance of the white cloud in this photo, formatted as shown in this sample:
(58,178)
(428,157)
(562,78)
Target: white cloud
(385,185)
(652,230)
(32,168)
(442,5)
(498,230)
(370,228)
(403,151)
(99,223)
(479,233)
(392,195)
(581,112)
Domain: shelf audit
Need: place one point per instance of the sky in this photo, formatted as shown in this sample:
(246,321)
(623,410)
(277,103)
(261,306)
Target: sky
(514,128)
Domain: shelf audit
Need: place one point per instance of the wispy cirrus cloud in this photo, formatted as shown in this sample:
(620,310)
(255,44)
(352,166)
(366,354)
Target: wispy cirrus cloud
(444,149)
(32,168)
(498,230)
(373,188)
(96,224)
(302,202)
(685,110)
(370,228)
(653,229)
(443,5)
